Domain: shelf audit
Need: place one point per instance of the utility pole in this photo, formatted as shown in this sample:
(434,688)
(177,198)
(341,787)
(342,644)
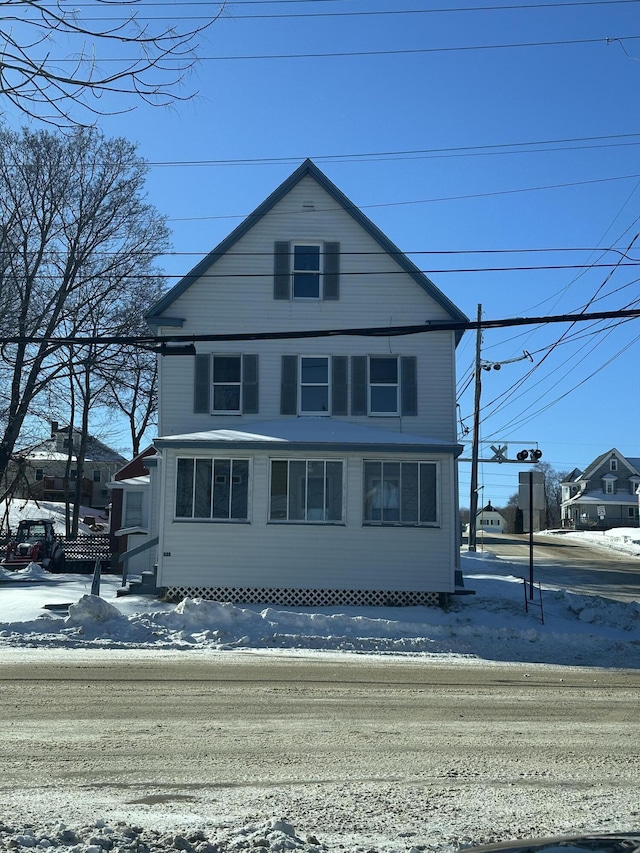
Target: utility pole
(473,500)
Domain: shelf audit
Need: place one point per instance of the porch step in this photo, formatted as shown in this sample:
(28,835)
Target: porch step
(145,584)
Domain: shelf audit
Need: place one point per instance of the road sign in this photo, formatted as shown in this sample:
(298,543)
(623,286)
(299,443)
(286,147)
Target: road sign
(602,512)
(499,453)
(537,478)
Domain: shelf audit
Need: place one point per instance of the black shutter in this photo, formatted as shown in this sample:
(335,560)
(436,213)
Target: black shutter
(250,385)
(331,271)
(201,384)
(409,378)
(339,401)
(281,283)
(359,385)
(289,386)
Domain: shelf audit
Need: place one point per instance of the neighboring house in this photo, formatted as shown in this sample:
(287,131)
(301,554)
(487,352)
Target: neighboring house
(43,468)
(130,502)
(605,495)
(307,470)
(491,520)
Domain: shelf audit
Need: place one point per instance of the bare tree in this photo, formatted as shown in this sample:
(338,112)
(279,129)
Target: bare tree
(131,373)
(76,233)
(54,61)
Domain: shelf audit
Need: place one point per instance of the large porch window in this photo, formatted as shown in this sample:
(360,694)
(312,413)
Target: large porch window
(306,490)
(401,493)
(212,489)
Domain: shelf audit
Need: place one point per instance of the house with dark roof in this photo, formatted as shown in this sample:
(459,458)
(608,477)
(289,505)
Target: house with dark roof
(307,451)
(48,470)
(604,495)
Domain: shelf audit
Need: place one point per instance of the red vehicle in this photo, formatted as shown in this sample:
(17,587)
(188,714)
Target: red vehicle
(35,542)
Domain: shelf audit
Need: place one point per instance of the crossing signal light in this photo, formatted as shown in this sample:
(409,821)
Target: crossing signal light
(523,455)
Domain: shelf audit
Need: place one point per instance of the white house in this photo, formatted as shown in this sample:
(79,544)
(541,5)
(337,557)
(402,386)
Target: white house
(307,468)
(49,469)
(490,519)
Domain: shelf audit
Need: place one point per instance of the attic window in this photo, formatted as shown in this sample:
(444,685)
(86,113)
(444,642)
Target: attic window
(613,464)
(306,271)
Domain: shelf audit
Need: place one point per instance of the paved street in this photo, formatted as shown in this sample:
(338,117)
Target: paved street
(345,746)
(568,564)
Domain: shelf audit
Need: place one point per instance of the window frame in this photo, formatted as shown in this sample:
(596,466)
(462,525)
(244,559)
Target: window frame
(126,522)
(215,471)
(319,273)
(422,500)
(302,385)
(226,384)
(613,465)
(609,487)
(290,492)
(371,385)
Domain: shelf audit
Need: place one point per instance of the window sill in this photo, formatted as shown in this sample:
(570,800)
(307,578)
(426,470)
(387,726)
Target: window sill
(211,521)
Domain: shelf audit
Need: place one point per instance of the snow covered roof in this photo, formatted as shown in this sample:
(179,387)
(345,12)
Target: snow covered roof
(599,497)
(47,450)
(310,433)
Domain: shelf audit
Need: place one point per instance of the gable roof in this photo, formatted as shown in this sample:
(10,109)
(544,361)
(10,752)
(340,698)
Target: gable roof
(308,168)
(47,451)
(603,457)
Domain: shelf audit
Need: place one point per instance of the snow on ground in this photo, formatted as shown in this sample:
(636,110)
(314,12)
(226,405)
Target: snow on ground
(491,625)
(19,509)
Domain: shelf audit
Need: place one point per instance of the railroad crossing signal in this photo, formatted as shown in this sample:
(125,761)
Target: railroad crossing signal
(499,453)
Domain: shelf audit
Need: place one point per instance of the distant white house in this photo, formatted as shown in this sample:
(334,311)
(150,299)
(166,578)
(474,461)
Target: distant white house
(491,520)
(308,468)
(42,468)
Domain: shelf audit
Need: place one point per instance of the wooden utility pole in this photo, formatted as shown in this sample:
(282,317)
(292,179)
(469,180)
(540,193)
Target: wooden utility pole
(473,499)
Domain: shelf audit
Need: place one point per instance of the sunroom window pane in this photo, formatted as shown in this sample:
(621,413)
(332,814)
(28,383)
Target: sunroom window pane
(278,509)
(202,501)
(297,490)
(428,499)
(184,489)
(334,491)
(240,489)
(409,500)
(315,493)
(221,488)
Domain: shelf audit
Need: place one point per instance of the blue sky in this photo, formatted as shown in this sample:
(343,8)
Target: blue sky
(514,149)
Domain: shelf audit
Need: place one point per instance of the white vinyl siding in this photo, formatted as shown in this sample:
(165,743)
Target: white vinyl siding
(241,283)
(318,556)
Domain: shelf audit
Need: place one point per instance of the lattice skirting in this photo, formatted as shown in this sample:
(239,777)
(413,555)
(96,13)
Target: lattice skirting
(306,597)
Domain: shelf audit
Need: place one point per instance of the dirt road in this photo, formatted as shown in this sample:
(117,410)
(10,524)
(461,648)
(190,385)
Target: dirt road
(345,748)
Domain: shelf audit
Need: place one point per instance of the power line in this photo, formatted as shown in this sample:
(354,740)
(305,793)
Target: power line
(435,200)
(351,14)
(354,53)
(369,331)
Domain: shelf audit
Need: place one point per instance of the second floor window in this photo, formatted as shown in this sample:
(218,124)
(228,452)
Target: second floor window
(383,385)
(314,385)
(608,487)
(227,383)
